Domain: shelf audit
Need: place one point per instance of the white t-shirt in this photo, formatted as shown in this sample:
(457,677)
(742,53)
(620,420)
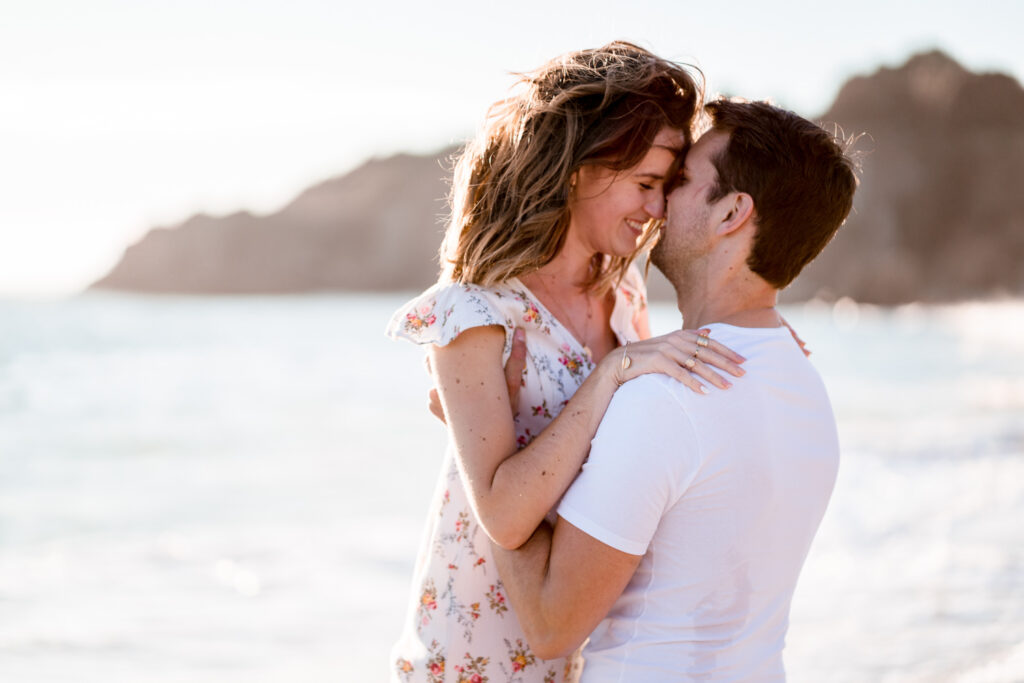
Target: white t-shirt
(722,495)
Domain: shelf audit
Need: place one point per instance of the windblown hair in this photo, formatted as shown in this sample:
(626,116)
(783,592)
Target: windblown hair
(510,195)
(799,175)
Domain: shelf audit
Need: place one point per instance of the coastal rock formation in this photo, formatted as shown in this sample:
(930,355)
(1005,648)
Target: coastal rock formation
(376,228)
(939,214)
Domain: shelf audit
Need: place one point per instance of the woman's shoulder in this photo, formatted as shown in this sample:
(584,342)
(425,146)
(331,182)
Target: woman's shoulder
(629,316)
(443,311)
(632,288)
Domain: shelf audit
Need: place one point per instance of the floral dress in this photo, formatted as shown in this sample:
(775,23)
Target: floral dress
(460,627)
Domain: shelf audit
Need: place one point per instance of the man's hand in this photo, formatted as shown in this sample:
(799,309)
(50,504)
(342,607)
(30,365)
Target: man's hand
(513,375)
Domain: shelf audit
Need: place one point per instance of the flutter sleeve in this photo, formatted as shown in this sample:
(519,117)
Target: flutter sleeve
(630,305)
(440,314)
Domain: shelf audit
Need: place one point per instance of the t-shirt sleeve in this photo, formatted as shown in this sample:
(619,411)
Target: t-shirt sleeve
(643,458)
(440,314)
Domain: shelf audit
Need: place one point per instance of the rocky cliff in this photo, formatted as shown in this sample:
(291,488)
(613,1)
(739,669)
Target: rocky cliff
(376,228)
(939,214)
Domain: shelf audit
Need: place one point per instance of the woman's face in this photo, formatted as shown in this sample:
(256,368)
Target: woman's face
(610,208)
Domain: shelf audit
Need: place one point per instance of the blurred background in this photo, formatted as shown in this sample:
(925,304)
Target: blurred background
(213,465)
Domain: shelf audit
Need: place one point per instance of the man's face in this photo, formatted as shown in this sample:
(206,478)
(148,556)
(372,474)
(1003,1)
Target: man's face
(689,228)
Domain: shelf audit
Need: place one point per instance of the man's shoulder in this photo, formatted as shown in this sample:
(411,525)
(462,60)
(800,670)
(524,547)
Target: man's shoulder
(648,402)
(653,384)
(650,388)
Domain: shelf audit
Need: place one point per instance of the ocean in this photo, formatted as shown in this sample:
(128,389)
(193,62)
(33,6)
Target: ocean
(232,489)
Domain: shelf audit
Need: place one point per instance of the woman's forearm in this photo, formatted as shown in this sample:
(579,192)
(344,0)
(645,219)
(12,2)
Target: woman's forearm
(529,482)
(511,491)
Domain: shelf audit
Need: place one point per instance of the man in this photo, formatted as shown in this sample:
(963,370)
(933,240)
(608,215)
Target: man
(682,538)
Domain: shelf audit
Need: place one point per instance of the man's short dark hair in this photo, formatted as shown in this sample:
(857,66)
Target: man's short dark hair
(799,176)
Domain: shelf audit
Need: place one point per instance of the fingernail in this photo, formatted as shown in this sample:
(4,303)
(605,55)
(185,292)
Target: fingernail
(703,389)
(727,384)
(519,334)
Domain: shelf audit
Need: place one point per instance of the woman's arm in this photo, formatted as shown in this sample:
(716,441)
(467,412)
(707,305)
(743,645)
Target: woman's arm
(512,490)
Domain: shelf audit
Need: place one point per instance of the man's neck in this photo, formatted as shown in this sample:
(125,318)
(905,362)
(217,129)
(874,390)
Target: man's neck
(739,304)
(766,316)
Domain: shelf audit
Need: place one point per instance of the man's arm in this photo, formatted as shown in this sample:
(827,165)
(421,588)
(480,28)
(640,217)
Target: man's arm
(561,584)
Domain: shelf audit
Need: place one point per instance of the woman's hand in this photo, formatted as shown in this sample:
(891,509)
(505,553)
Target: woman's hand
(685,355)
(796,337)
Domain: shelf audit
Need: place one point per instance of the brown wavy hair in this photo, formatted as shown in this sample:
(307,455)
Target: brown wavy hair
(510,194)
(801,177)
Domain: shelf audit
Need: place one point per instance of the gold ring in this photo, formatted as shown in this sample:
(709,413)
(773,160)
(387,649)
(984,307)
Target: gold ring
(690,362)
(626,360)
(702,340)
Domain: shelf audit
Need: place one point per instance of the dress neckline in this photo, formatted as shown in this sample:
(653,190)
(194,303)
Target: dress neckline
(581,347)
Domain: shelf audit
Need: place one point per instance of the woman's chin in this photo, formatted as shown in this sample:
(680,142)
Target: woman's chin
(634,243)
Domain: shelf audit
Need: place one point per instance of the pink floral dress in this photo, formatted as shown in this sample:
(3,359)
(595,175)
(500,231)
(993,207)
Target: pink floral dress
(460,627)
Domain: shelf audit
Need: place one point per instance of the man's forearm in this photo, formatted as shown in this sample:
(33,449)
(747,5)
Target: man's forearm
(524,573)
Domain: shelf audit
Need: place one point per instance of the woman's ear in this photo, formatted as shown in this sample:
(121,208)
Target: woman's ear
(740,210)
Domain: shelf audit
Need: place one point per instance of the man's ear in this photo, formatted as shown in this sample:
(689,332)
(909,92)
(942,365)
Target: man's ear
(740,211)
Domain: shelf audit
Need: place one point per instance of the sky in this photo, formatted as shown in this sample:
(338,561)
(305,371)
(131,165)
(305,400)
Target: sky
(117,116)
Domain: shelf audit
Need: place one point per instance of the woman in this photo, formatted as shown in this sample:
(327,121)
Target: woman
(551,203)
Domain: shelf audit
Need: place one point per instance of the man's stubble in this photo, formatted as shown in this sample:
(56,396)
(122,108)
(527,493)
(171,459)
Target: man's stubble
(681,251)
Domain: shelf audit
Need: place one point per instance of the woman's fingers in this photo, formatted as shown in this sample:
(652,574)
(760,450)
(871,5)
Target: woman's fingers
(716,354)
(710,357)
(796,337)
(690,356)
(651,361)
(730,357)
(688,378)
(668,359)
(703,370)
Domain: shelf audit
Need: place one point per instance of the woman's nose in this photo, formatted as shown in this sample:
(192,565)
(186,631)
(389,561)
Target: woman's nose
(655,207)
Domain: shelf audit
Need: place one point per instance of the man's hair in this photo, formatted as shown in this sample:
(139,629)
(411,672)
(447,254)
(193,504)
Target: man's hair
(510,196)
(800,178)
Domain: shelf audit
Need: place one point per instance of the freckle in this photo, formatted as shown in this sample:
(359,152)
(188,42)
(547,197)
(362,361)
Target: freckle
(458,381)
(543,472)
(481,383)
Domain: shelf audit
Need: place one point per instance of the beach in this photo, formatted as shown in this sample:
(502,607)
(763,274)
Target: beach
(233,488)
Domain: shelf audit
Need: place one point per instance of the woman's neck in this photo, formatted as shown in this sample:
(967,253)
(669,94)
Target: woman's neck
(572,268)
